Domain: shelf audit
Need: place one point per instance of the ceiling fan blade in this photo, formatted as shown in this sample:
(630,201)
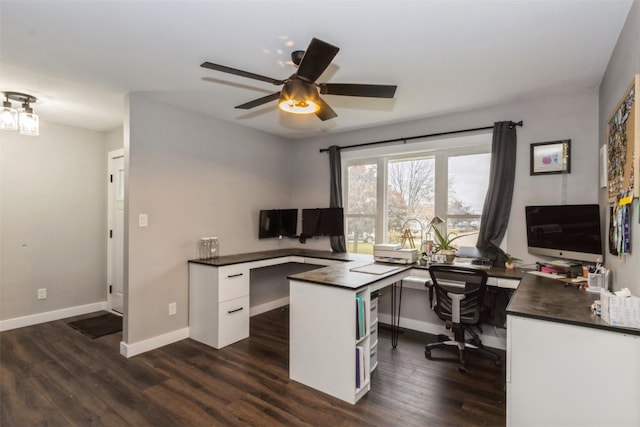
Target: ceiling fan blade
(235,71)
(325,112)
(259,101)
(371,91)
(316,59)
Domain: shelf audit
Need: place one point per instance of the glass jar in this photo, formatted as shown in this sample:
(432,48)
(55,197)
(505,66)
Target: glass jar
(204,248)
(214,247)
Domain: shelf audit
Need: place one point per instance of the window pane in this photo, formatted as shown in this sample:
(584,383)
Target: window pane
(362,207)
(361,234)
(468,235)
(410,197)
(468,182)
(362,189)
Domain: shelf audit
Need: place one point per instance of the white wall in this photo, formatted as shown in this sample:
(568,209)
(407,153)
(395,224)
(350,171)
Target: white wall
(53,220)
(624,64)
(114,139)
(194,176)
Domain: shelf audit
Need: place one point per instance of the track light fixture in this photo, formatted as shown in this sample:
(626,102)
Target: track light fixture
(24,119)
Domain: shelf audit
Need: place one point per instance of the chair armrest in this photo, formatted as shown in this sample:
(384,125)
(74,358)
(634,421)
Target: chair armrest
(455,305)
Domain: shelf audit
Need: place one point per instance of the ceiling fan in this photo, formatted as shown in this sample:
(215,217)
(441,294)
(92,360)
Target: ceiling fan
(299,92)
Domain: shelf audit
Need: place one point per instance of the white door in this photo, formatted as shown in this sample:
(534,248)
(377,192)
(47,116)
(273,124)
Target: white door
(115,245)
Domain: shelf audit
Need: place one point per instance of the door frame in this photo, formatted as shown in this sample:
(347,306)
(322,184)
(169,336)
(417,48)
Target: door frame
(111,193)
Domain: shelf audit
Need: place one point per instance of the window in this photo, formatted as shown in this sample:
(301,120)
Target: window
(468,180)
(391,195)
(361,207)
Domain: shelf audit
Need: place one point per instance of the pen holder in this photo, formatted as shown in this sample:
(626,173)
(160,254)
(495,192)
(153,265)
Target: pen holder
(596,282)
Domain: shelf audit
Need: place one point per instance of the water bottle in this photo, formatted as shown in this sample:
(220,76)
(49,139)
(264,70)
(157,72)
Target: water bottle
(204,248)
(214,247)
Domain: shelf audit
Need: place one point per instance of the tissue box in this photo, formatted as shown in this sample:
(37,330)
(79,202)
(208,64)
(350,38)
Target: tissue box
(620,311)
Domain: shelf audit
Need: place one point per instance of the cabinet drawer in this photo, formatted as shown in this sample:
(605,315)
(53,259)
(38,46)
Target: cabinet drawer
(233,321)
(233,282)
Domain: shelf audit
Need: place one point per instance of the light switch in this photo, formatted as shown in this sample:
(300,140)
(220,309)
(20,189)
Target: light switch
(143,220)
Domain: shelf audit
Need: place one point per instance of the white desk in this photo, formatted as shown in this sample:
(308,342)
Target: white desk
(219,305)
(322,333)
(322,310)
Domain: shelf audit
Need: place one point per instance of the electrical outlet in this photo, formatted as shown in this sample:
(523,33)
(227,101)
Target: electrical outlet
(172,309)
(42,293)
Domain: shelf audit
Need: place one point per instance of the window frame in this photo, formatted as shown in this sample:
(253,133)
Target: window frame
(441,150)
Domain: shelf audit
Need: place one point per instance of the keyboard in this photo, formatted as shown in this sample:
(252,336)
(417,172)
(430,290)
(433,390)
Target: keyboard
(551,275)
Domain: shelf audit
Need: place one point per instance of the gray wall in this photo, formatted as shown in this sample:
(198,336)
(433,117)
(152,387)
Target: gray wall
(547,118)
(194,176)
(53,220)
(198,176)
(624,64)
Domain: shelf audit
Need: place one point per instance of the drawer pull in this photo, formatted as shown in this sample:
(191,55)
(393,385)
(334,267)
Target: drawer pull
(236,310)
(235,275)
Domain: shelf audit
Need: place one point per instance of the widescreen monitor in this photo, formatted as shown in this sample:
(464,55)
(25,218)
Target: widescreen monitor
(565,231)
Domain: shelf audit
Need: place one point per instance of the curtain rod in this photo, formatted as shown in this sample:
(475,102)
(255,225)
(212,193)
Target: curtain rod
(404,140)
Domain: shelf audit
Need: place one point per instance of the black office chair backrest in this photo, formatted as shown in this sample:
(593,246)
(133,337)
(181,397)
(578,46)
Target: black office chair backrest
(460,280)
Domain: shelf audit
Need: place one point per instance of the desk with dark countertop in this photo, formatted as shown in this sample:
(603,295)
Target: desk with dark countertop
(549,299)
(565,365)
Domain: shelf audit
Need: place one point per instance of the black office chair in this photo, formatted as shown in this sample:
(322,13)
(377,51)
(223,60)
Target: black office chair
(459,293)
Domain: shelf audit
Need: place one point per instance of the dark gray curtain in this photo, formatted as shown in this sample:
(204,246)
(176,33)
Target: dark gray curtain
(497,203)
(335,201)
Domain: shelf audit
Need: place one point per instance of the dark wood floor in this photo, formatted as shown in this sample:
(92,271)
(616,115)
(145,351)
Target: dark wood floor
(50,374)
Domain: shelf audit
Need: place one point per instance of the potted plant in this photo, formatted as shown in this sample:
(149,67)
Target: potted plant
(510,261)
(444,246)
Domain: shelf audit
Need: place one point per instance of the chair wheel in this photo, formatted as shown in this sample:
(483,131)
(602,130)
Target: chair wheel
(462,369)
(427,354)
(442,338)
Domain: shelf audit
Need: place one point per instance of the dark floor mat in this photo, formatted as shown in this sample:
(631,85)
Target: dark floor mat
(95,327)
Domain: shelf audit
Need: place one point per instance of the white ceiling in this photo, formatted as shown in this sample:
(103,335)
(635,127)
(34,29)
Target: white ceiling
(81,57)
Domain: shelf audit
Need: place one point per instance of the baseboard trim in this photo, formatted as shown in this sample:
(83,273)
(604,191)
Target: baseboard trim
(49,316)
(130,350)
(435,329)
(271,305)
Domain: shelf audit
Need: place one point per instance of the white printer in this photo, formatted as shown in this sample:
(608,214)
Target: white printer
(394,253)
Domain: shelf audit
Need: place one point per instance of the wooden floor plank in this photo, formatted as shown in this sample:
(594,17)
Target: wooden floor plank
(52,375)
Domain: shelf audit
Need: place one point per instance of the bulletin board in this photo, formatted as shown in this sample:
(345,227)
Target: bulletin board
(623,146)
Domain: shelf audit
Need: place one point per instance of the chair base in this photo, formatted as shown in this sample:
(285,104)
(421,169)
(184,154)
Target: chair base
(473,344)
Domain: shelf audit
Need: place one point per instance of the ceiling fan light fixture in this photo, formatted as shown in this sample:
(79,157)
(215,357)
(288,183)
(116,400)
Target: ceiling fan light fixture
(299,97)
(299,106)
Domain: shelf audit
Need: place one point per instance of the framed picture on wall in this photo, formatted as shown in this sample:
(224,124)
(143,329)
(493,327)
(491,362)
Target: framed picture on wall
(551,157)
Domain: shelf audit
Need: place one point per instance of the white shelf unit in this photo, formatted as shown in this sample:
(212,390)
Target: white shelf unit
(373,331)
(323,340)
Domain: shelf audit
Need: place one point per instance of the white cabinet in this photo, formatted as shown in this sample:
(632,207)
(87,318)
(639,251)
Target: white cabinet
(218,304)
(560,374)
